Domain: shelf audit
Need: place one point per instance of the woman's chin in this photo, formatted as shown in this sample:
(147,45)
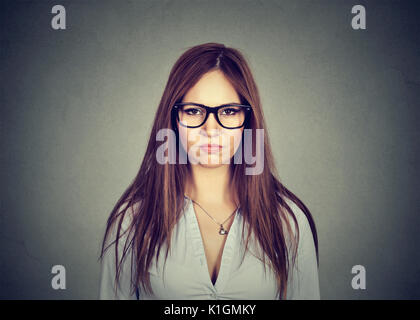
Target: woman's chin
(211,166)
(213,161)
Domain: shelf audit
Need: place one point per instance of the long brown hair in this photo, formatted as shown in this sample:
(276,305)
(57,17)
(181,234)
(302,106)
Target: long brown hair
(156,195)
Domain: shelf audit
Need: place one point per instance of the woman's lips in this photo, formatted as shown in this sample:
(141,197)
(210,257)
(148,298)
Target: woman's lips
(211,148)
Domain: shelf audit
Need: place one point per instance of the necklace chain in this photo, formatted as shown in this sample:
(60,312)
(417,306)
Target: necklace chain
(222,230)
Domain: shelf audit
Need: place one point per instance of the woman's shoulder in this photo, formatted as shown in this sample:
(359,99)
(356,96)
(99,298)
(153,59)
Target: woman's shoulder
(301,218)
(117,251)
(303,283)
(124,216)
(300,229)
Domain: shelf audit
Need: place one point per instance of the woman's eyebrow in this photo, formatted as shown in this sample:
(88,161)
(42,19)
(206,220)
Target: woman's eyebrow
(217,105)
(232,103)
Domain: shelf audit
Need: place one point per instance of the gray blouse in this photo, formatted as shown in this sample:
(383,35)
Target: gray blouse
(186,275)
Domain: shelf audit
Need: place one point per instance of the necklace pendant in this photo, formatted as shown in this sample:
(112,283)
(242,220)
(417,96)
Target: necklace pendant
(222,231)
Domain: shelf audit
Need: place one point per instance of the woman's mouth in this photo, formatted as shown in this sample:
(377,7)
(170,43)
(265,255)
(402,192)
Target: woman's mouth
(211,148)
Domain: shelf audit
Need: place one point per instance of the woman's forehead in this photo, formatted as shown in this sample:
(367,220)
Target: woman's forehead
(212,90)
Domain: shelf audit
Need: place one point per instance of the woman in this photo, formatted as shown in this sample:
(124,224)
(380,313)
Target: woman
(228,230)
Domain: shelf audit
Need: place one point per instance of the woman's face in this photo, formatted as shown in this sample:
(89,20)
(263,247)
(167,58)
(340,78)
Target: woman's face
(212,90)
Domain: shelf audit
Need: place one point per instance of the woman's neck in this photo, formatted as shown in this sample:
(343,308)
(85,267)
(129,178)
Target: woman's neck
(210,186)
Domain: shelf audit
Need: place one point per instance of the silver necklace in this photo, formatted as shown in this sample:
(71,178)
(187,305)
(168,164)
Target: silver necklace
(222,230)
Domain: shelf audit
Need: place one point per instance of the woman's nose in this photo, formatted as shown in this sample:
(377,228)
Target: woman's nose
(211,126)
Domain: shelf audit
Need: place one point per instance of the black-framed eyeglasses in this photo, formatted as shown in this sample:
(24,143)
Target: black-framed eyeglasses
(229,116)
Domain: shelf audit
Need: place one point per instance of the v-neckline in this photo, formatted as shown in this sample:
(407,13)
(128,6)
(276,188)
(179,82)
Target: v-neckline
(227,253)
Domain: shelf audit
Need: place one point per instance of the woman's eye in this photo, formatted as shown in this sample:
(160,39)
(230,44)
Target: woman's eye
(192,111)
(229,111)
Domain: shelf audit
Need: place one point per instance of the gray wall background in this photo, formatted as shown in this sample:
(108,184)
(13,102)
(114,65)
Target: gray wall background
(341,105)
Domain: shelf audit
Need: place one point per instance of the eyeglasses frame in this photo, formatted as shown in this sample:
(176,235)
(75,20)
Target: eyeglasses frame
(248,111)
